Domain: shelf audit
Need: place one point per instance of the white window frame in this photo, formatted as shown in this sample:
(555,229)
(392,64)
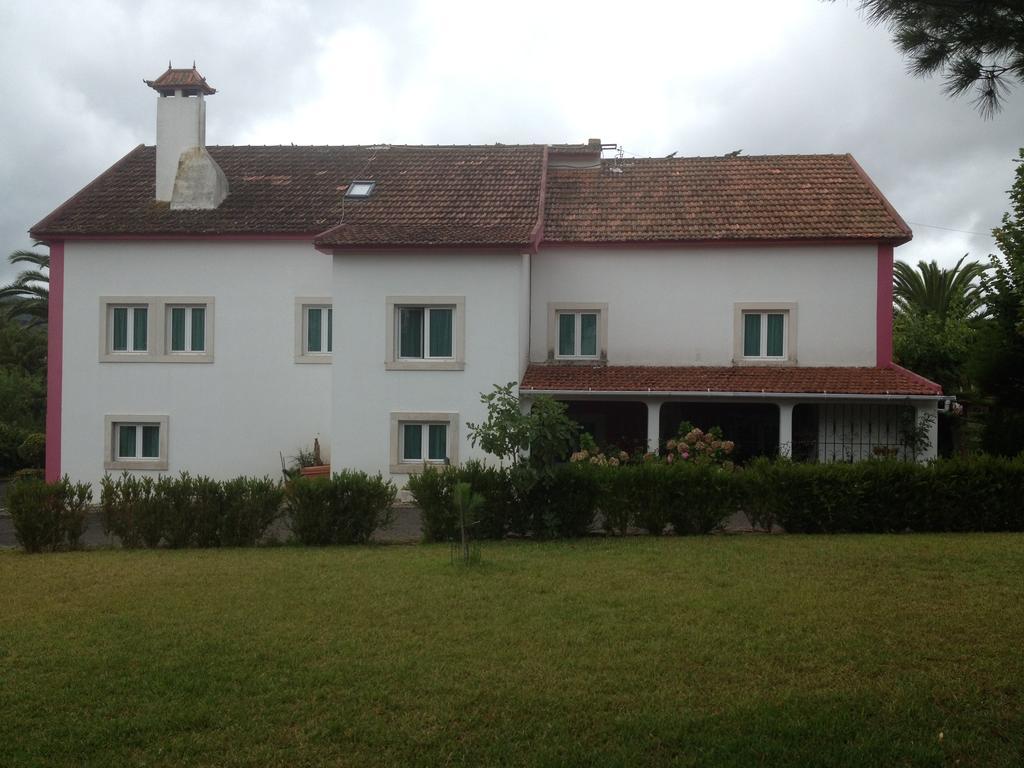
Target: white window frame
(113,423)
(399,419)
(788,310)
(558,308)
(302,306)
(158,330)
(455,362)
(131,308)
(169,328)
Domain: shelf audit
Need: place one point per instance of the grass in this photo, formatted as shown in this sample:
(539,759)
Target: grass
(735,651)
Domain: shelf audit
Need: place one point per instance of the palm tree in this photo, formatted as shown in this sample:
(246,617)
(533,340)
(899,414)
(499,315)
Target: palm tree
(29,292)
(937,291)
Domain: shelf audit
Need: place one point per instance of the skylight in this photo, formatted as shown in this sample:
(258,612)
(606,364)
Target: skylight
(360,188)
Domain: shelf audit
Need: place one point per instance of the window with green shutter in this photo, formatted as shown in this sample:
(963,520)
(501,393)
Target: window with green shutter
(578,334)
(764,334)
(426,333)
(437,442)
(128,328)
(187,328)
(752,334)
(136,442)
(412,442)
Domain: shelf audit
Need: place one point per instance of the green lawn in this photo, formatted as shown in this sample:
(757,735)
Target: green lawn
(740,651)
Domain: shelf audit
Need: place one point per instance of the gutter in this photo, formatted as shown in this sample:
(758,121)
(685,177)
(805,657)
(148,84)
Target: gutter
(728,395)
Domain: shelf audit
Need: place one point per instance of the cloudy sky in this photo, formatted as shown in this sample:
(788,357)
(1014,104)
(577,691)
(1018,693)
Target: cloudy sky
(697,78)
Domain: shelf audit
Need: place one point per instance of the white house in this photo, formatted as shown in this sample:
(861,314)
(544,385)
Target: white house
(214,307)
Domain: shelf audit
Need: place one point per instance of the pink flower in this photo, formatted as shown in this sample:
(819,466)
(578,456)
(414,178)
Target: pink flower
(670,458)
(671,445)
(686,455)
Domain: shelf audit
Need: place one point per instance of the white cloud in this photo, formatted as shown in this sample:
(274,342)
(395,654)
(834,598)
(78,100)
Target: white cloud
(656,77)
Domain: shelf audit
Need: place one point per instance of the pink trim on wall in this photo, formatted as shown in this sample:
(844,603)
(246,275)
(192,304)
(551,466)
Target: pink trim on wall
(883,308)
(54,360)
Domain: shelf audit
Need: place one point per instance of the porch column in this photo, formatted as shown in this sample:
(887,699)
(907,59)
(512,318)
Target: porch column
(653,425)
(928,409)
(786,429)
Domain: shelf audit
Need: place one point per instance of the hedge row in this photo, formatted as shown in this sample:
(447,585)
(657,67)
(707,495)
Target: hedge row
(977,494)
(187,511)
(48,516)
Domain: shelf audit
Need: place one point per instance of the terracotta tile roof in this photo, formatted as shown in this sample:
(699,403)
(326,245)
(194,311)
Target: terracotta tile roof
(490,196)
(186,79)
(788,380)
(773,197)
(424,196)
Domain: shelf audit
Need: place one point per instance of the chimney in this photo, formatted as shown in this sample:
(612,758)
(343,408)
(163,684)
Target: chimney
(186,176)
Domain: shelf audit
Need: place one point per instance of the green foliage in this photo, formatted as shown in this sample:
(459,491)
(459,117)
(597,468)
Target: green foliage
(999,357)
(187,511)
(48,516)
(506,431)
(973,44)
(547,431)
(935,346)
(22,395)
(562,501)
(974,494)
(432,490)
(27,296)
(343,509)
(466,503)
(931,289)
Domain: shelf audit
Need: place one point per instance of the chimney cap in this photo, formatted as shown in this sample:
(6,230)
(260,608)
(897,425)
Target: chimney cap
(189,81)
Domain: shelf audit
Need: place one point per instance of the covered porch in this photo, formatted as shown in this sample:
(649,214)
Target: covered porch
(801,416)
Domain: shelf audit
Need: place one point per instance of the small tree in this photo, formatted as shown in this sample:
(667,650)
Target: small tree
(466,503)
(546,430)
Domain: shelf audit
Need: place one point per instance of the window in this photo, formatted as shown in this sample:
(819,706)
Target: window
(155,329)
(765,333)
(136,442)
(186,329)
(314,330)
(423,438)
(319,322)
(577,334)
(129,329)
(577,331)
(425,333)
(360,188)
(424,442)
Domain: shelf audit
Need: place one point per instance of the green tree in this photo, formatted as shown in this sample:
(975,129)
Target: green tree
(936,318)
(974,44)
(999,353)
(28,294)
(944,292)
(507,432)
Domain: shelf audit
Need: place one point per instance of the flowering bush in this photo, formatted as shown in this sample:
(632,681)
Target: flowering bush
(691,445)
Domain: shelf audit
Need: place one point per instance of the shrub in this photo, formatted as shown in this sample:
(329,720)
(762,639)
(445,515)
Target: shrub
(705,496)
(344,509)
(563,501)
(250,506)
(48,516)
(132,508)
(431,489)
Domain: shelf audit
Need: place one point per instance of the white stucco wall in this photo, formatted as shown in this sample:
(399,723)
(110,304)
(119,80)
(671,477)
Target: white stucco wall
(228,417)
(365,394)
(676,306)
